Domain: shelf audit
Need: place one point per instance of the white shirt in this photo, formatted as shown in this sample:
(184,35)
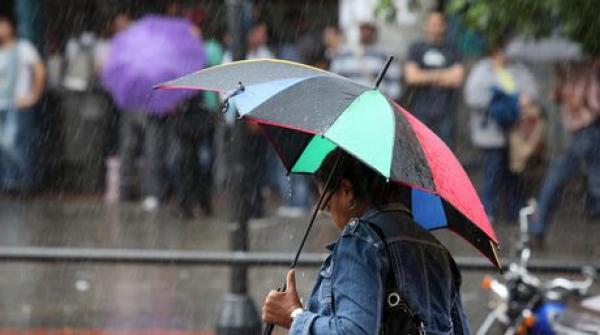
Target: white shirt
(26,57)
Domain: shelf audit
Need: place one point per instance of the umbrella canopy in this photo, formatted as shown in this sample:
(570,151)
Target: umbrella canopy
(551,49)
(151,51)
(307,113)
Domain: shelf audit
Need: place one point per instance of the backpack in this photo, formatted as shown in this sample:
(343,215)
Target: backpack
(503,108)
(80,70)
(402,314)
(398,317)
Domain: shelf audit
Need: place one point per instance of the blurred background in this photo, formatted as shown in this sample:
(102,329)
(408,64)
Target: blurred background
(119,205)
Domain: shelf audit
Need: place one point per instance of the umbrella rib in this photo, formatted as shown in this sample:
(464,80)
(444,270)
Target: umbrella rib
(285,91)
(397,111)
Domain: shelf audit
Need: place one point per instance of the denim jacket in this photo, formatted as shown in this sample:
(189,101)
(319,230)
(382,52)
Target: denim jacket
(348,296)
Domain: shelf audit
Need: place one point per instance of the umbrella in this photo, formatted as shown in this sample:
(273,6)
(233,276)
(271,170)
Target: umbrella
(151,51)
(551,49)
(307,113)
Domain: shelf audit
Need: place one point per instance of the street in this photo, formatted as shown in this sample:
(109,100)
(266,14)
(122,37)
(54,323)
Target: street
(184,298)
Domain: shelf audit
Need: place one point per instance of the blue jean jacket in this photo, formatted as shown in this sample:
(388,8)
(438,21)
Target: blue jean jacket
(348,296)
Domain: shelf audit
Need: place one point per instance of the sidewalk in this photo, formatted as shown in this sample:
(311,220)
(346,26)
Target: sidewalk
(77,298)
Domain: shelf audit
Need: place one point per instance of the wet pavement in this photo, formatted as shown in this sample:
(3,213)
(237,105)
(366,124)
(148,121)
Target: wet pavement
(184,299)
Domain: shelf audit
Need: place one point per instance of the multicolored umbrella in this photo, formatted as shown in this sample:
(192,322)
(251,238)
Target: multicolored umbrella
(307,113)
(149,52)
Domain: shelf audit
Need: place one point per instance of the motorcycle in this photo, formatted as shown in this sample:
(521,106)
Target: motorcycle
(524,304)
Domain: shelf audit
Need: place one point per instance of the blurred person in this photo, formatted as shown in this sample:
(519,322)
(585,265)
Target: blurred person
(120,22)
(357,279)
(174,8)
(288,47)
(51,126)
(54,63)
(310,46)
(495,90)
(80,54)
(148,131)
(194,130)
(22,81)
(140,129)
(434,73)
(333,39)
(90,119)
(364,63)
(296,190)
(257,43)
(85,114)
(578,93)
(133,67)
(250,159)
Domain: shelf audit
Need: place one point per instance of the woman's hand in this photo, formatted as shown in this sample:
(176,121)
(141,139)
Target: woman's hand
(278,306)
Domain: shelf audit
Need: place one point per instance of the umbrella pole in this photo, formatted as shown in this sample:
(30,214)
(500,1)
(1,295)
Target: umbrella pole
(383,71)
(269,328)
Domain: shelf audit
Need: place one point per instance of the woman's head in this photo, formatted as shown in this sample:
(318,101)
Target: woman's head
(355,187)
(7,28)
(496,47)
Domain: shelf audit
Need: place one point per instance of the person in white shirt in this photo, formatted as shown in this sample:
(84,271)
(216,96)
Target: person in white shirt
(364,63)
(22,79)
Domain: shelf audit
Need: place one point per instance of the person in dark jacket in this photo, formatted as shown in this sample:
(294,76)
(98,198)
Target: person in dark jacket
(434,73)
(194,127)
(384,275)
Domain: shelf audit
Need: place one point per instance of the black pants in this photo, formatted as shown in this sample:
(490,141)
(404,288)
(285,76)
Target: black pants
(194,134)
(147,132)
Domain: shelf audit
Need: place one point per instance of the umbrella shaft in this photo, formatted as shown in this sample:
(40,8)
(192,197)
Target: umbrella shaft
(316,211)
(269,328)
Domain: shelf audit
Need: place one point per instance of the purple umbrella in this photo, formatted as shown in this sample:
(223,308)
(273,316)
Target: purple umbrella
(153,50)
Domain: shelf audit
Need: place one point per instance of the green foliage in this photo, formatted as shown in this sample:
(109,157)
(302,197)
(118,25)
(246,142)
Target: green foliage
(495,18)
(578,20)
(387,9)
(575,19)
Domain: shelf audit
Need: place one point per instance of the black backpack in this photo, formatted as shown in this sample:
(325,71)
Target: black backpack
(398,317)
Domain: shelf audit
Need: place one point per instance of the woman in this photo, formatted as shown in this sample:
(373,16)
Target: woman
(404,283)
(495,81)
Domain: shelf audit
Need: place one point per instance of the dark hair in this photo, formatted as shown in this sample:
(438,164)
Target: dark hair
(8,18)
(335,27)
(437,11)
(260,22)
(368,185)
(498,42)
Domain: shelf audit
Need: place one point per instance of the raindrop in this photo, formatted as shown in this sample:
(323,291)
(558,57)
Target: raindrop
(26,309)
(289,185)
(184,275)
(82,285)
